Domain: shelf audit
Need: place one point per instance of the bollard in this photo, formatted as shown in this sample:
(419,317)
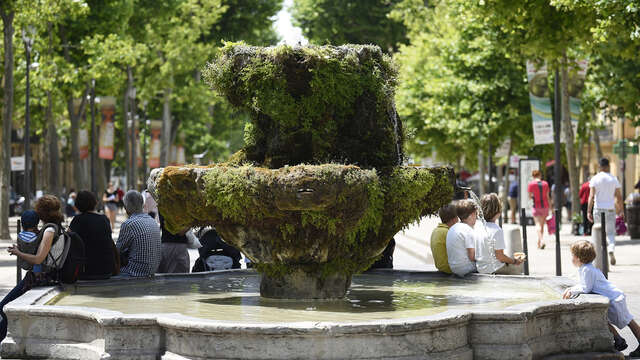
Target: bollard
(558,259)
(512,244)
(18,269)
(523,221)
(596,240)
(605,254)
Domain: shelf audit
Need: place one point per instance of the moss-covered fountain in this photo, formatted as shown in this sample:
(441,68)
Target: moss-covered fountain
(313,198)
(319,188)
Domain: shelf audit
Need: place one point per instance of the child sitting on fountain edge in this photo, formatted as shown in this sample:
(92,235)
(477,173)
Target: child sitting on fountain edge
(593,281)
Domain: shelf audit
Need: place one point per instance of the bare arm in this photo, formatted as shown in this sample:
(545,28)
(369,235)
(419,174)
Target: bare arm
(592,196)
(505,259)
(41,254)
(619,202)
(471,253)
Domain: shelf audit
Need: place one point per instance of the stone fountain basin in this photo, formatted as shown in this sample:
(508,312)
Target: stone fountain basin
(526,331)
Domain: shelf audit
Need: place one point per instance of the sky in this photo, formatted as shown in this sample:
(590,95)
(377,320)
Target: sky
(290,35)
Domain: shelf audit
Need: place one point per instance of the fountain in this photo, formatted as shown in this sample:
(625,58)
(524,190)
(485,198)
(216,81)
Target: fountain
(312,199)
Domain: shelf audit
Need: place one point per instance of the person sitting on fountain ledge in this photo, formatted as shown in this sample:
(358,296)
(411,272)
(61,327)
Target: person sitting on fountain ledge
(139,242)
(438,242)
(592,281)
(461,251)
(490,249)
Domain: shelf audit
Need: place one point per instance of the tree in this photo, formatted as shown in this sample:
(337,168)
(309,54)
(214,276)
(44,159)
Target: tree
(338,22)
(460,89)
(7,12)
(545,30)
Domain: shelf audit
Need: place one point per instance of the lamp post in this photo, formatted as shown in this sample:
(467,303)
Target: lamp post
(27,38)
(92,104)
(145,124)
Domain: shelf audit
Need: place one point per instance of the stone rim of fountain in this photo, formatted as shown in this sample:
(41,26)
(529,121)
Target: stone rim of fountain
(174,336)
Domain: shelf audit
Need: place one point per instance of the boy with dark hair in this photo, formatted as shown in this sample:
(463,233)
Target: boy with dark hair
(438,243)
(461,239)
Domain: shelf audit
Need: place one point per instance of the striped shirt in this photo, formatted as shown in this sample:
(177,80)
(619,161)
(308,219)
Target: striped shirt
(139,239)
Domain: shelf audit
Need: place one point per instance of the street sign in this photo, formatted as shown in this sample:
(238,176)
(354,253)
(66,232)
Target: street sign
(629,148)
(17,163)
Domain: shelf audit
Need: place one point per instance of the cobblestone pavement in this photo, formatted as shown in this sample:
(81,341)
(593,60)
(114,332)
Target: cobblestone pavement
(413,253)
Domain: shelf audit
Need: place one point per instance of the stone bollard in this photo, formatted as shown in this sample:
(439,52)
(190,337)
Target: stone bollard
(596,240)
(512,243)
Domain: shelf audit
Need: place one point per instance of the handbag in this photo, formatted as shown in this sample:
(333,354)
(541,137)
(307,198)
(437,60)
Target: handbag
(551,224)
(621,227)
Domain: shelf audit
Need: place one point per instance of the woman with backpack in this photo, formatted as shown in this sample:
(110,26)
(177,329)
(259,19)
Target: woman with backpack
(539,192)
(48,254)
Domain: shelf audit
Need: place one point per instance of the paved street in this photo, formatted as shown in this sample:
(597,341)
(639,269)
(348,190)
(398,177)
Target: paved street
(412,252)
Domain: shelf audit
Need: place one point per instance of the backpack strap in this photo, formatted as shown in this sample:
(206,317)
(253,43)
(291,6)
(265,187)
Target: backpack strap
(57,264)
(541,200)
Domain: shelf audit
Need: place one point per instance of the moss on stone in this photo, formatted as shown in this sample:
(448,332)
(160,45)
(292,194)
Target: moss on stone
(313,104)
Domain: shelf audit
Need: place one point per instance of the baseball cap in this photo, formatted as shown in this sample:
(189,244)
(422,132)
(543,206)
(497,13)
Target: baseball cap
(29,219)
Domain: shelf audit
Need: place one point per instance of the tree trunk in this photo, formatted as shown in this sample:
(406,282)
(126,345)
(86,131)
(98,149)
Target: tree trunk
(569,140)
(580,160)
(165,140)
(7,117)
(127,150)
(506,183)
(483,171)
(53,153)
(596,138)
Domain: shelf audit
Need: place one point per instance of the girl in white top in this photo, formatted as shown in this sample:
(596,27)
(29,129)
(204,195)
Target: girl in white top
(490,257)
(593,281)
(461,239)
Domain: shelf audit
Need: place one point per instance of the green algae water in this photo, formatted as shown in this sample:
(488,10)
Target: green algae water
(236,297)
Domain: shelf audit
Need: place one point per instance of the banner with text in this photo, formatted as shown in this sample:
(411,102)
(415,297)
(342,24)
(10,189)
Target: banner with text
(155,146)
(540,104)
(107,128)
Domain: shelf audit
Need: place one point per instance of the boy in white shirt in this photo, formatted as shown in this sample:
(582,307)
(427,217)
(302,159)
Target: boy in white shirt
(593,281)
(461,239)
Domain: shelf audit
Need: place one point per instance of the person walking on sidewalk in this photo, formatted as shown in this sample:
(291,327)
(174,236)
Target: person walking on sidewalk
(584,205)
(605,197)
(538,190)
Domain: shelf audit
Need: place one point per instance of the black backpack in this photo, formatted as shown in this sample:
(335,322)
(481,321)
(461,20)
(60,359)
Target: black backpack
(71,262)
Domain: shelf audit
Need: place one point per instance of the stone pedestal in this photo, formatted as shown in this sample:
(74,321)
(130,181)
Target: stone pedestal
(596,240)
(298,284)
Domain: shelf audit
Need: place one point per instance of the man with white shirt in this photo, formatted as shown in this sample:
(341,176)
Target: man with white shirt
(461,239)
(605,197)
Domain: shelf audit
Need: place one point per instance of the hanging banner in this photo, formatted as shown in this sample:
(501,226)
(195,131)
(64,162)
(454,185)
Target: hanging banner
(83,143)
(138,149)
(154,146)
(178,155)
(540,104)
(107,127)
(577,75)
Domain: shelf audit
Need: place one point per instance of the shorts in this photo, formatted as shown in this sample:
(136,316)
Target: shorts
(111,206)
(618,313)
(544,212)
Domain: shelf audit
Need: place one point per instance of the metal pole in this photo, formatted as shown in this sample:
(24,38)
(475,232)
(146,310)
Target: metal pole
(525,248)
(558,258)
(623,163)
(144,141)
(605,255)
(557,169)
(490,171)
(93,136)
(27,137)
(18,269)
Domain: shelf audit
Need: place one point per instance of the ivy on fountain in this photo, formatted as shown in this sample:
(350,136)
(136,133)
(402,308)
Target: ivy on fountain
(314,104)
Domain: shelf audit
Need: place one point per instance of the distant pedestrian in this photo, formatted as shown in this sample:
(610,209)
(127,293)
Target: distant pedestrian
(538,190)
(110,200)
(70,209)
(592,281)
(438,241)
(139,242)
(584,205)
(461,239)
(513,200)
(605,197)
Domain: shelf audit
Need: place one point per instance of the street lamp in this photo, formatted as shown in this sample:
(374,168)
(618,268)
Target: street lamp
(92,103)
(27,37)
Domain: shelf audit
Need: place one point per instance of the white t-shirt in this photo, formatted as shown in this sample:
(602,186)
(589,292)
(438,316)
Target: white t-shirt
(605,186)
(486,247)
(460,237)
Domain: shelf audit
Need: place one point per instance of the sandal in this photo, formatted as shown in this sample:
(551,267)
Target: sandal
(543,246)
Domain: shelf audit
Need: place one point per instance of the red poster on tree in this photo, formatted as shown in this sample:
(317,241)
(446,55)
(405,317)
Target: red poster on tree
(154,151)
(107,128)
